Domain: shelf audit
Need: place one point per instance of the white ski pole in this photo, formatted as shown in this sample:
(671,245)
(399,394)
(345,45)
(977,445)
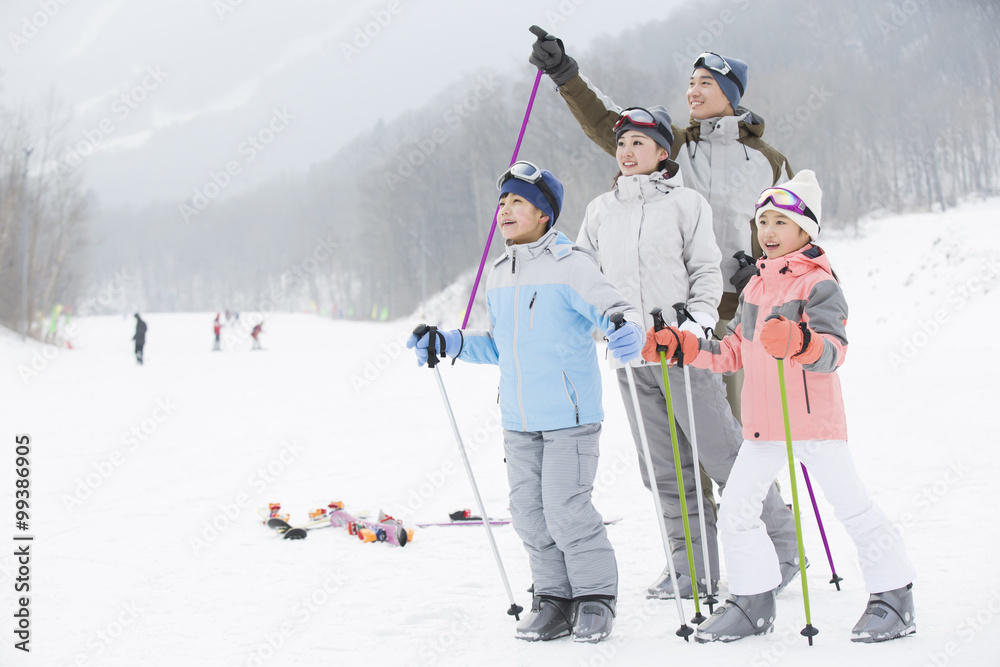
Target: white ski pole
(432,360)
(685,630)
(710,600)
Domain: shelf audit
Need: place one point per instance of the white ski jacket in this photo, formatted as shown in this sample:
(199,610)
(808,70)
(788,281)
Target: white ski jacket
(655,243)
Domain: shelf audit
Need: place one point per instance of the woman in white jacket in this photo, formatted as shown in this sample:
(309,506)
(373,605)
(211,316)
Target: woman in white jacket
(656,243)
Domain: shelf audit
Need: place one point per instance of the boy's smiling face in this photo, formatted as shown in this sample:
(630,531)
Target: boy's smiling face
(519,220)
(779,235)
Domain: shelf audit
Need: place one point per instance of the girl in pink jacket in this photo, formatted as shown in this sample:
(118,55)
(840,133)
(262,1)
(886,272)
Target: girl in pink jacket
(793,310)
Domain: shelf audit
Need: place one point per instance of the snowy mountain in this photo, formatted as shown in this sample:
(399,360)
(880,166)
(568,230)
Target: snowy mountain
(145,481)
(224,68)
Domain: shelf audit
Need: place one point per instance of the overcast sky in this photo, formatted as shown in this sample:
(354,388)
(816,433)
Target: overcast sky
(165,92)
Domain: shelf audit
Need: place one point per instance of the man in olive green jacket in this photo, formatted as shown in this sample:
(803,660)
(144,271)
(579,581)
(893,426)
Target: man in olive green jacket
(721,155)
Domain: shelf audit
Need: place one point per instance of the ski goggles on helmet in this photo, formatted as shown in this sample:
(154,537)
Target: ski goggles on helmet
(530,173)
(636,116)
(786,200)
(716,63)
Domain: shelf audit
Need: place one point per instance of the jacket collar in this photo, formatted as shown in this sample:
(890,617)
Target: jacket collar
(810,257)
(743,125)
(553,241)
(639,188)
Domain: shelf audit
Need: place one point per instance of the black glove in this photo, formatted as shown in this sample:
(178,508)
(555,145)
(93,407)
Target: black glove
(743,274)
(548,55)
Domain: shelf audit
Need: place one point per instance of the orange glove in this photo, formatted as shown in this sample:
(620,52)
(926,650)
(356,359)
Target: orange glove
(678,343)
(782,338)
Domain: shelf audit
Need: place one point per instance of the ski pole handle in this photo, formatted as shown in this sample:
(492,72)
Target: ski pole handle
(681,310)
(658,324)
(618,320)
(432,358)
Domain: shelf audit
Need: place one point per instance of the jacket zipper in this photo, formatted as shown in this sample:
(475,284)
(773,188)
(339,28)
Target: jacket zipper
(531,309)
(576,406)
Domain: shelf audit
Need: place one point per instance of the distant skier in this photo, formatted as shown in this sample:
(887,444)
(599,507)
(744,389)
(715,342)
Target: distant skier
(255,333)
(139,337)
(218,329)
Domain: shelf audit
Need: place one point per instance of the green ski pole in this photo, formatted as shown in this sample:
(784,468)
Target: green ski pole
(809,631)
(658,324)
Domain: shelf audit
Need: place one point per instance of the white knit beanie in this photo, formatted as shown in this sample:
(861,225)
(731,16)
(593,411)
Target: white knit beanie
(806,187)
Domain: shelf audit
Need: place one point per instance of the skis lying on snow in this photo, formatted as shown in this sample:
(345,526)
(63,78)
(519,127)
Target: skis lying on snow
(465,518)
(386,529)
(279,521)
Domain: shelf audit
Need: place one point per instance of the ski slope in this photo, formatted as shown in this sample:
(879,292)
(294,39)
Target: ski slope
(145,484)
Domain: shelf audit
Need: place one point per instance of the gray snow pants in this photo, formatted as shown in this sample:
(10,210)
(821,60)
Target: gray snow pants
(719,439)
(551,476)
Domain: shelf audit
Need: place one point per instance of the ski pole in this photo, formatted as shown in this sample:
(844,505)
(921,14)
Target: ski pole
(809,631)
(432,360)
(836,578)
(658,324)
(682,314)
(489,238)
(685,630)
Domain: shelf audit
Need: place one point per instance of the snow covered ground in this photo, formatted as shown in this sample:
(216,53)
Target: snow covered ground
(145,483)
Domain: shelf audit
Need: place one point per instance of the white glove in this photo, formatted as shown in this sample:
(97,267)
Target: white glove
(698,326)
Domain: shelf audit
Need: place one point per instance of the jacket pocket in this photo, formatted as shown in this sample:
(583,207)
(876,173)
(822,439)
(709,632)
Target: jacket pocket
(588,454)
(571,395)
(531,312)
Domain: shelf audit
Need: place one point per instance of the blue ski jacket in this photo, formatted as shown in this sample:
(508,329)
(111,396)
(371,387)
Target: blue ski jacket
(544,301)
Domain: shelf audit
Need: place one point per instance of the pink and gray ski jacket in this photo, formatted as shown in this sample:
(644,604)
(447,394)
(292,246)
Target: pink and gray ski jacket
(800,286)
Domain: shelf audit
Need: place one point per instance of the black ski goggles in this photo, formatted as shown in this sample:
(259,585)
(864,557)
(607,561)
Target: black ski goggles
(530,173)
(716,63)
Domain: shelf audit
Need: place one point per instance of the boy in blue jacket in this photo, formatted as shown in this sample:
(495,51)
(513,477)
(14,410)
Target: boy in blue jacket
(545,296)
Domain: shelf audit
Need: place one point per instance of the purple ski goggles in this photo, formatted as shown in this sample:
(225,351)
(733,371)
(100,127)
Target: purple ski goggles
(785,200)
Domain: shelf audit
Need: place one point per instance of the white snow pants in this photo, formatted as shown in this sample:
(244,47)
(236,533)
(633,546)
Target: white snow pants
(751,562)
(551,476)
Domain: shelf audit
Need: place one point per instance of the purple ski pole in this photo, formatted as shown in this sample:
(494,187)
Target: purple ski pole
(836,577)
(489,239)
